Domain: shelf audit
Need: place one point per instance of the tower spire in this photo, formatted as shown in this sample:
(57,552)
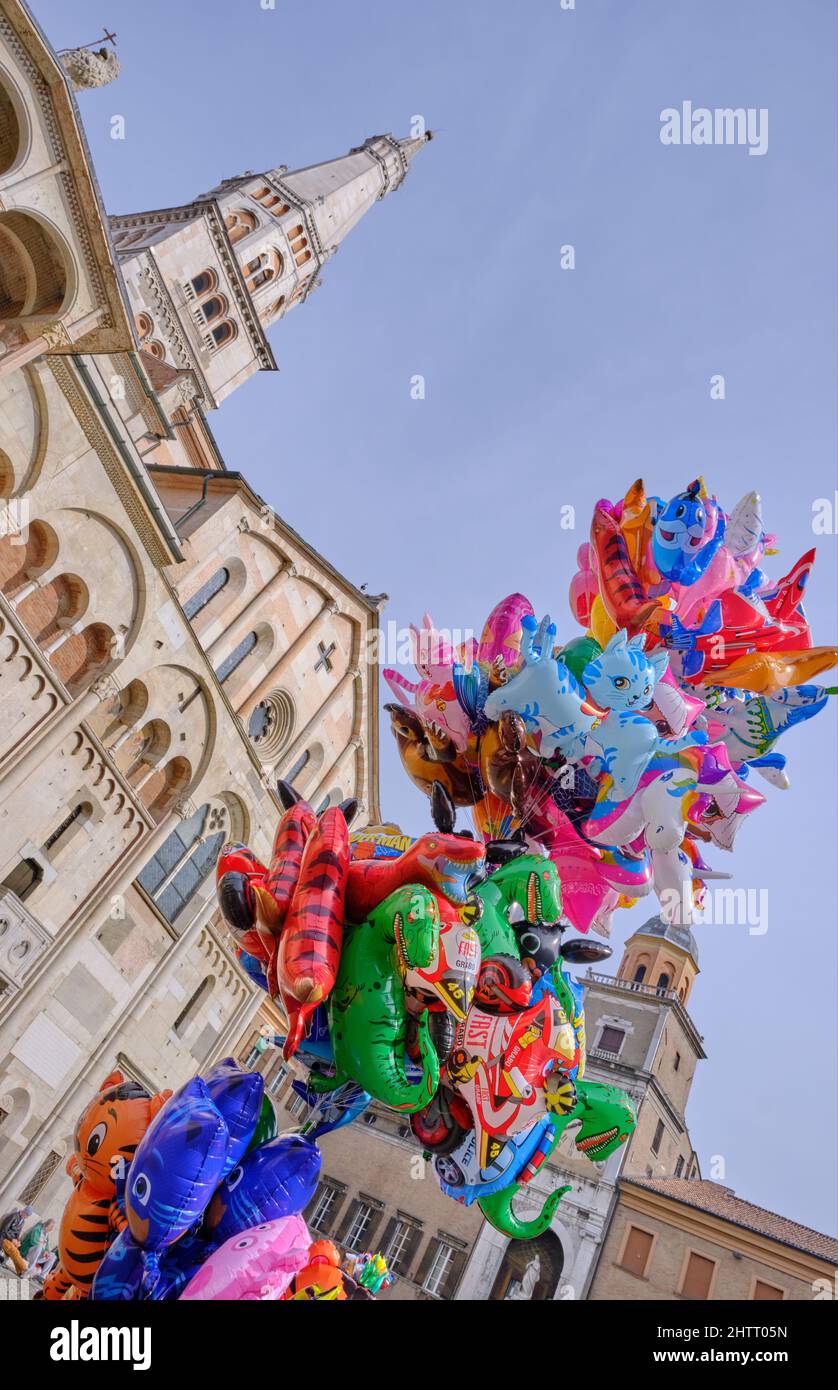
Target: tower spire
(206,279)
(340,191)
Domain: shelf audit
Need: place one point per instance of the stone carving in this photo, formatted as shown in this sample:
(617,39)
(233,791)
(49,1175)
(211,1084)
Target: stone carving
(22,938)
(90,67)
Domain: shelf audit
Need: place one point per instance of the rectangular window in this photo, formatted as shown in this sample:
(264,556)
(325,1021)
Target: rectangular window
(611,1040)
(679,1166)
(698,1277)
(656,1142)
(276,1078)
(677,1061)
(325,1203)
(297,1106)
(637,1250)
(441,1270)
(399,1247)
(361,1221)
(767,1292)
(39,1180)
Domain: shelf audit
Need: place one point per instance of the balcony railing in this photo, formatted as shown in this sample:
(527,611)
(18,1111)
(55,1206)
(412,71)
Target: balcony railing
(648,991)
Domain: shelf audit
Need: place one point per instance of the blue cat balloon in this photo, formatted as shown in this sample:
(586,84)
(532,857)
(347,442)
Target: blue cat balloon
(277,1179)
(179,1162)
(680,549)
(237,1095)
(622,680)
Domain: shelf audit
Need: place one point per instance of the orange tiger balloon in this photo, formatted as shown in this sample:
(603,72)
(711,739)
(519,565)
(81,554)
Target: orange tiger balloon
(106,1137)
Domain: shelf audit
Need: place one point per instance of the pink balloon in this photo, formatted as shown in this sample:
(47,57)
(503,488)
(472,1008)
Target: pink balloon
(258,1263)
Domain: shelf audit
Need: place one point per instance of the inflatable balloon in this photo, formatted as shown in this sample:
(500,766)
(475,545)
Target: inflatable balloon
(238,1096)
(367,1010)
(321,1278)
(257,1264)
(277,1179)
(177,1165)
(108,1132)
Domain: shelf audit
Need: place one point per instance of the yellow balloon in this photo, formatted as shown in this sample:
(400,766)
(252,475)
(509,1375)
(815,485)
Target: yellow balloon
(602,627)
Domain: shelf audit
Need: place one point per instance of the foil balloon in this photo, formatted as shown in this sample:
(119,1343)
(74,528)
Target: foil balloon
(237,1095)
(257,1264)
(106,1137)
(177,1165)
(278,1179)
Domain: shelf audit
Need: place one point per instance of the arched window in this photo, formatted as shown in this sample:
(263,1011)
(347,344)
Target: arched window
(640,974)
(181,865)
(205,282)
(214,307)
(187,1015)
(207,591)
(24,878)
(239,223)
(663,984)
(224,332)
(236,657)
(270,201)
(302,258)
(264,268)
(33,278)
(295,771)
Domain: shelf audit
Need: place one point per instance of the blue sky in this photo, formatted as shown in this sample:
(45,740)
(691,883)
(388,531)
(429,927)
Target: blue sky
(547,388)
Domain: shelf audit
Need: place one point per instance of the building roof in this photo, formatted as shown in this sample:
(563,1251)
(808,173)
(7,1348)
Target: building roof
(716,1200)
(679,936)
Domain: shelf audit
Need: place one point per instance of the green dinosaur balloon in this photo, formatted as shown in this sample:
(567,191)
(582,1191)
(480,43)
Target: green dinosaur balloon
(607,1117)
(530,884)
(367,1012)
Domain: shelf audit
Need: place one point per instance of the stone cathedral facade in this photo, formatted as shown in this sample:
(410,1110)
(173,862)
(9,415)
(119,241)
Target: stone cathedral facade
(168,645)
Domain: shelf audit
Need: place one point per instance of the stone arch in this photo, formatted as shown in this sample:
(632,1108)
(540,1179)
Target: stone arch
(87,535)
(84,656)
(530,1270)
(36,269)
(24,432)
(17,1103)
(223,333)
(148,750)
(246,660)
(178,696)
(20,565)
(165,786)
(53,608)
(240,222)
(221,587)
(118,718)
(15,130)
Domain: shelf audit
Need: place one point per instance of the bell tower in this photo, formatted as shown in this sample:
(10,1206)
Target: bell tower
(663,957)
(207,279)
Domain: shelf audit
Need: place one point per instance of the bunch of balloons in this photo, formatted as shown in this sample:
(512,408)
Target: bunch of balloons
(622,753)
(192,1196)
(429,975)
